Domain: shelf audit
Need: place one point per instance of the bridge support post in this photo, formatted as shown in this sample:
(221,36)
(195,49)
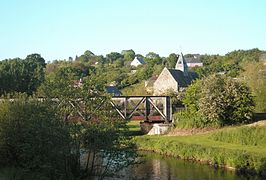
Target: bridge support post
(167,109)
(147,108)
(125,104)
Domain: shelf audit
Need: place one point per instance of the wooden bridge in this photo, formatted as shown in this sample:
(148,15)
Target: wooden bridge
(147,108)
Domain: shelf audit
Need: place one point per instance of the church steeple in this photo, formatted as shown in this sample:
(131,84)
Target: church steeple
(181,64)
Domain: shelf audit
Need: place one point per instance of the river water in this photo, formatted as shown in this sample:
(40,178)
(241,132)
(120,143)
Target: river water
(157,167)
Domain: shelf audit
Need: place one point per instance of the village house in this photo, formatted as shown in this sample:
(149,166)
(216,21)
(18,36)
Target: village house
(194,61)
(137,61)
(174,79)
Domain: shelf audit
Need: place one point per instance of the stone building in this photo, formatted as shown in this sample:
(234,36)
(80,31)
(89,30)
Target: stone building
(174,79)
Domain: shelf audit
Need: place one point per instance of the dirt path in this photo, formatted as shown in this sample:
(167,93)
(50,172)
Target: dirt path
(191,131)
(259,123)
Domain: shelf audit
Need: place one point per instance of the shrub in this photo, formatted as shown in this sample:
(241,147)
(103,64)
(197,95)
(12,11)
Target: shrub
(225,100)
(216,101)
(33,138)
(191,119)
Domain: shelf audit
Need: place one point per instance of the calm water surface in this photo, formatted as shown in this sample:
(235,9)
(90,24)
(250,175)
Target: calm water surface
(158,167)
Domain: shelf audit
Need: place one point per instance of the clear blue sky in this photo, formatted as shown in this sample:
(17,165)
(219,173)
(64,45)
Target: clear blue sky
(58,29)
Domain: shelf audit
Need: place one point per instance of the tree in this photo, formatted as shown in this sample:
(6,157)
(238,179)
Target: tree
(254,74)
(17,75)
(129,55)
(153,58)
(171,60)
(113,56)
(96,129)
(217,101)
(34,139)
(35,65)
(88,53)
(225,101)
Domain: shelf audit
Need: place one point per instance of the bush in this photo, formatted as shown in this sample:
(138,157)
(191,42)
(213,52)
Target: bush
(33,138)
(225,100)
(191,119)
(217,101)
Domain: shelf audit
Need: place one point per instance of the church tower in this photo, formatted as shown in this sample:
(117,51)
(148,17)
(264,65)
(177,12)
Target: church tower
(182,65)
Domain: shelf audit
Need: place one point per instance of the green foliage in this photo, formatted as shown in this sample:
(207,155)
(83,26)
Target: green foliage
(97,131)
(230,63)
(225,101)
(17,75)
(54,84)
(255,76)
(176,99)
(192,96)
(191,119)
(216,101)
(129,55)
(204,148)
(33,138)
(171,60)
(153,58)
(113,56)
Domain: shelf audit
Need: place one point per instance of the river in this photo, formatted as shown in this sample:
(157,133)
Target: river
(157,167)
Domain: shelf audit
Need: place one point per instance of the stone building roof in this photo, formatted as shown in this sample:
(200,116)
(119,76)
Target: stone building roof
(176,79)
(183,81)
(179,77)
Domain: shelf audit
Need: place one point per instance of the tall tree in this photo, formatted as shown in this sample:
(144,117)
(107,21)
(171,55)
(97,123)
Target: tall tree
(129,55)
(113,56)
(19,75)
(171,60)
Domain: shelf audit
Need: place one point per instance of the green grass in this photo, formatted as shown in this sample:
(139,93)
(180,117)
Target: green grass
(134,128)
(254,136)
(207,147)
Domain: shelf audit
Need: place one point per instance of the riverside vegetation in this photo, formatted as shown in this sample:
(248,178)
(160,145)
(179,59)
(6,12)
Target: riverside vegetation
(242,148)
(31,132)
(216,102)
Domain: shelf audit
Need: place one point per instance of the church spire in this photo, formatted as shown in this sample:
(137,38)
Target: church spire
(181,64)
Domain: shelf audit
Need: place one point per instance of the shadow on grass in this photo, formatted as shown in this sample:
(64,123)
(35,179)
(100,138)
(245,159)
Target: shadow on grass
(134,128)
(259,116)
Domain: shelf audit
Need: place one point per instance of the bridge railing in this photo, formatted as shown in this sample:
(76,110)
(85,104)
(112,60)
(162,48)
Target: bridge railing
(147,108)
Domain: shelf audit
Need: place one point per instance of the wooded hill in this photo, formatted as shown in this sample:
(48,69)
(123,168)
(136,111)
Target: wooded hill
(26,75)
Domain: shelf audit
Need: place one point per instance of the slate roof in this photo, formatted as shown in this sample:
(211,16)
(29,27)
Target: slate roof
(113,90)
(183,81)
(137,59)
(193,60)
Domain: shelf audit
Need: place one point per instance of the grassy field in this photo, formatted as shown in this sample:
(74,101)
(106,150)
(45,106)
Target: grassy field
(242,148)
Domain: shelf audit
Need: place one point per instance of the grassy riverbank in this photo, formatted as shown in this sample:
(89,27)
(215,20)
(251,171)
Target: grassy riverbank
(242,148)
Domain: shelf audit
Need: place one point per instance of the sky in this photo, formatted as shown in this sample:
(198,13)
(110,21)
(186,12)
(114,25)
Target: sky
(58,29)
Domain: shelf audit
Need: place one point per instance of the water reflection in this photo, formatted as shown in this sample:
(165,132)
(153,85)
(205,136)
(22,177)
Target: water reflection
(159,167)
